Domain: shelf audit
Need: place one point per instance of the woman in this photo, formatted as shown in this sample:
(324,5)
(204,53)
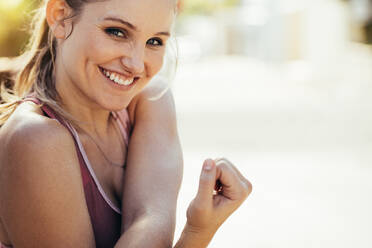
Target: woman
(66,122)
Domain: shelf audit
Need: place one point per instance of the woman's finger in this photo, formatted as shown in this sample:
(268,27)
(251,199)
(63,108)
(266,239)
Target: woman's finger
(228,177)
(242,178)
(225,160)
(207,182)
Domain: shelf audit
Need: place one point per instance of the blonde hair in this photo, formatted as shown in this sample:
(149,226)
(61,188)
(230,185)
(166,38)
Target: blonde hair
(33,71)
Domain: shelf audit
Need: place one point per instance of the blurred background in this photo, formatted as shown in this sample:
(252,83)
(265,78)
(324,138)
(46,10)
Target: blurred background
(283,89)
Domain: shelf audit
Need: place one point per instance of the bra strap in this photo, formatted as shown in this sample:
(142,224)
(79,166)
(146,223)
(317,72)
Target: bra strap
(47,110)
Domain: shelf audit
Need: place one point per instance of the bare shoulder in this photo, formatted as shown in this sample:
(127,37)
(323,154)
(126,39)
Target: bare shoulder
(155,101)
(30,134)
(40,182)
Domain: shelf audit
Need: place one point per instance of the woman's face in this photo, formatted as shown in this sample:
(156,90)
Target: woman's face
(115,48)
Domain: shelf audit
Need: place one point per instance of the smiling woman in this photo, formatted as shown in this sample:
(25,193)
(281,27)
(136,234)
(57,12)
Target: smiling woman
(86,159)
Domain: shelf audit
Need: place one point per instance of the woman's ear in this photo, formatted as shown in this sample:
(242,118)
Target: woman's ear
(57,12)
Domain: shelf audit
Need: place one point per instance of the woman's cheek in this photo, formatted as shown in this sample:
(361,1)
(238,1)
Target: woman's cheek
(156,62)
(100,49)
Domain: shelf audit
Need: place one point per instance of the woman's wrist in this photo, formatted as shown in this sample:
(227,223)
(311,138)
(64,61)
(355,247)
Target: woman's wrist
(194,238)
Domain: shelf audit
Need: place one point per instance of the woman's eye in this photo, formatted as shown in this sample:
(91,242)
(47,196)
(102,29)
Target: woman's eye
(155,42)
(115,32)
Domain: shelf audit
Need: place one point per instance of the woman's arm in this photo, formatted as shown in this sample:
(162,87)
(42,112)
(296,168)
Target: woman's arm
(153,172)
(153,178)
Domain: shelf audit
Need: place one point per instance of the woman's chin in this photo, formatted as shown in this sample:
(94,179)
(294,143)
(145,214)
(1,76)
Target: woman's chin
(115,105)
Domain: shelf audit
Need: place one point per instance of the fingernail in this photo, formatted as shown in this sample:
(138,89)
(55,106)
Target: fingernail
(208,165)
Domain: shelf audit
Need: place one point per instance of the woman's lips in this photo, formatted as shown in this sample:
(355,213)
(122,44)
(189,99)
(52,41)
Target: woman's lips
(119,80)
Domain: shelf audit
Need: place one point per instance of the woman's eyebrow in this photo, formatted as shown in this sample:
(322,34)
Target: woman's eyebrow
(163,33)
(130,25)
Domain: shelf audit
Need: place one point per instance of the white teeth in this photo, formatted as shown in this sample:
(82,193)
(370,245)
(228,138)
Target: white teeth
(128,82)
(116,78)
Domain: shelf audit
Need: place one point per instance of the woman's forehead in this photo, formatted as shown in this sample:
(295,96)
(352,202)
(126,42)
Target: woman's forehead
(145,15)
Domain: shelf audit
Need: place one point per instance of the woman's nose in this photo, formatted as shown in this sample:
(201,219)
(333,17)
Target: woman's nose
(133,62)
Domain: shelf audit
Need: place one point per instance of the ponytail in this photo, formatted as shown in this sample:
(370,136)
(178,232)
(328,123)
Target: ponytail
(31,72)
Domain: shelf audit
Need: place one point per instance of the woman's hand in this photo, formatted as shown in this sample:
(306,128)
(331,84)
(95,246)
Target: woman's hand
(222,189)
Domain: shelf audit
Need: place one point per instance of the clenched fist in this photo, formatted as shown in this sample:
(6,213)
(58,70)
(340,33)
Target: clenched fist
(222,189)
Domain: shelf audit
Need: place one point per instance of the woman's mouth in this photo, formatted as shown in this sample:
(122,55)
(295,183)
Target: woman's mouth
(118,78)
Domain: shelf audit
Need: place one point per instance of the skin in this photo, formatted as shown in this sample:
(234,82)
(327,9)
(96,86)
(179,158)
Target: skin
(48,187)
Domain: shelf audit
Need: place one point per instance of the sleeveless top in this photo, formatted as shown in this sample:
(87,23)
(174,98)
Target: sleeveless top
(104,215)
